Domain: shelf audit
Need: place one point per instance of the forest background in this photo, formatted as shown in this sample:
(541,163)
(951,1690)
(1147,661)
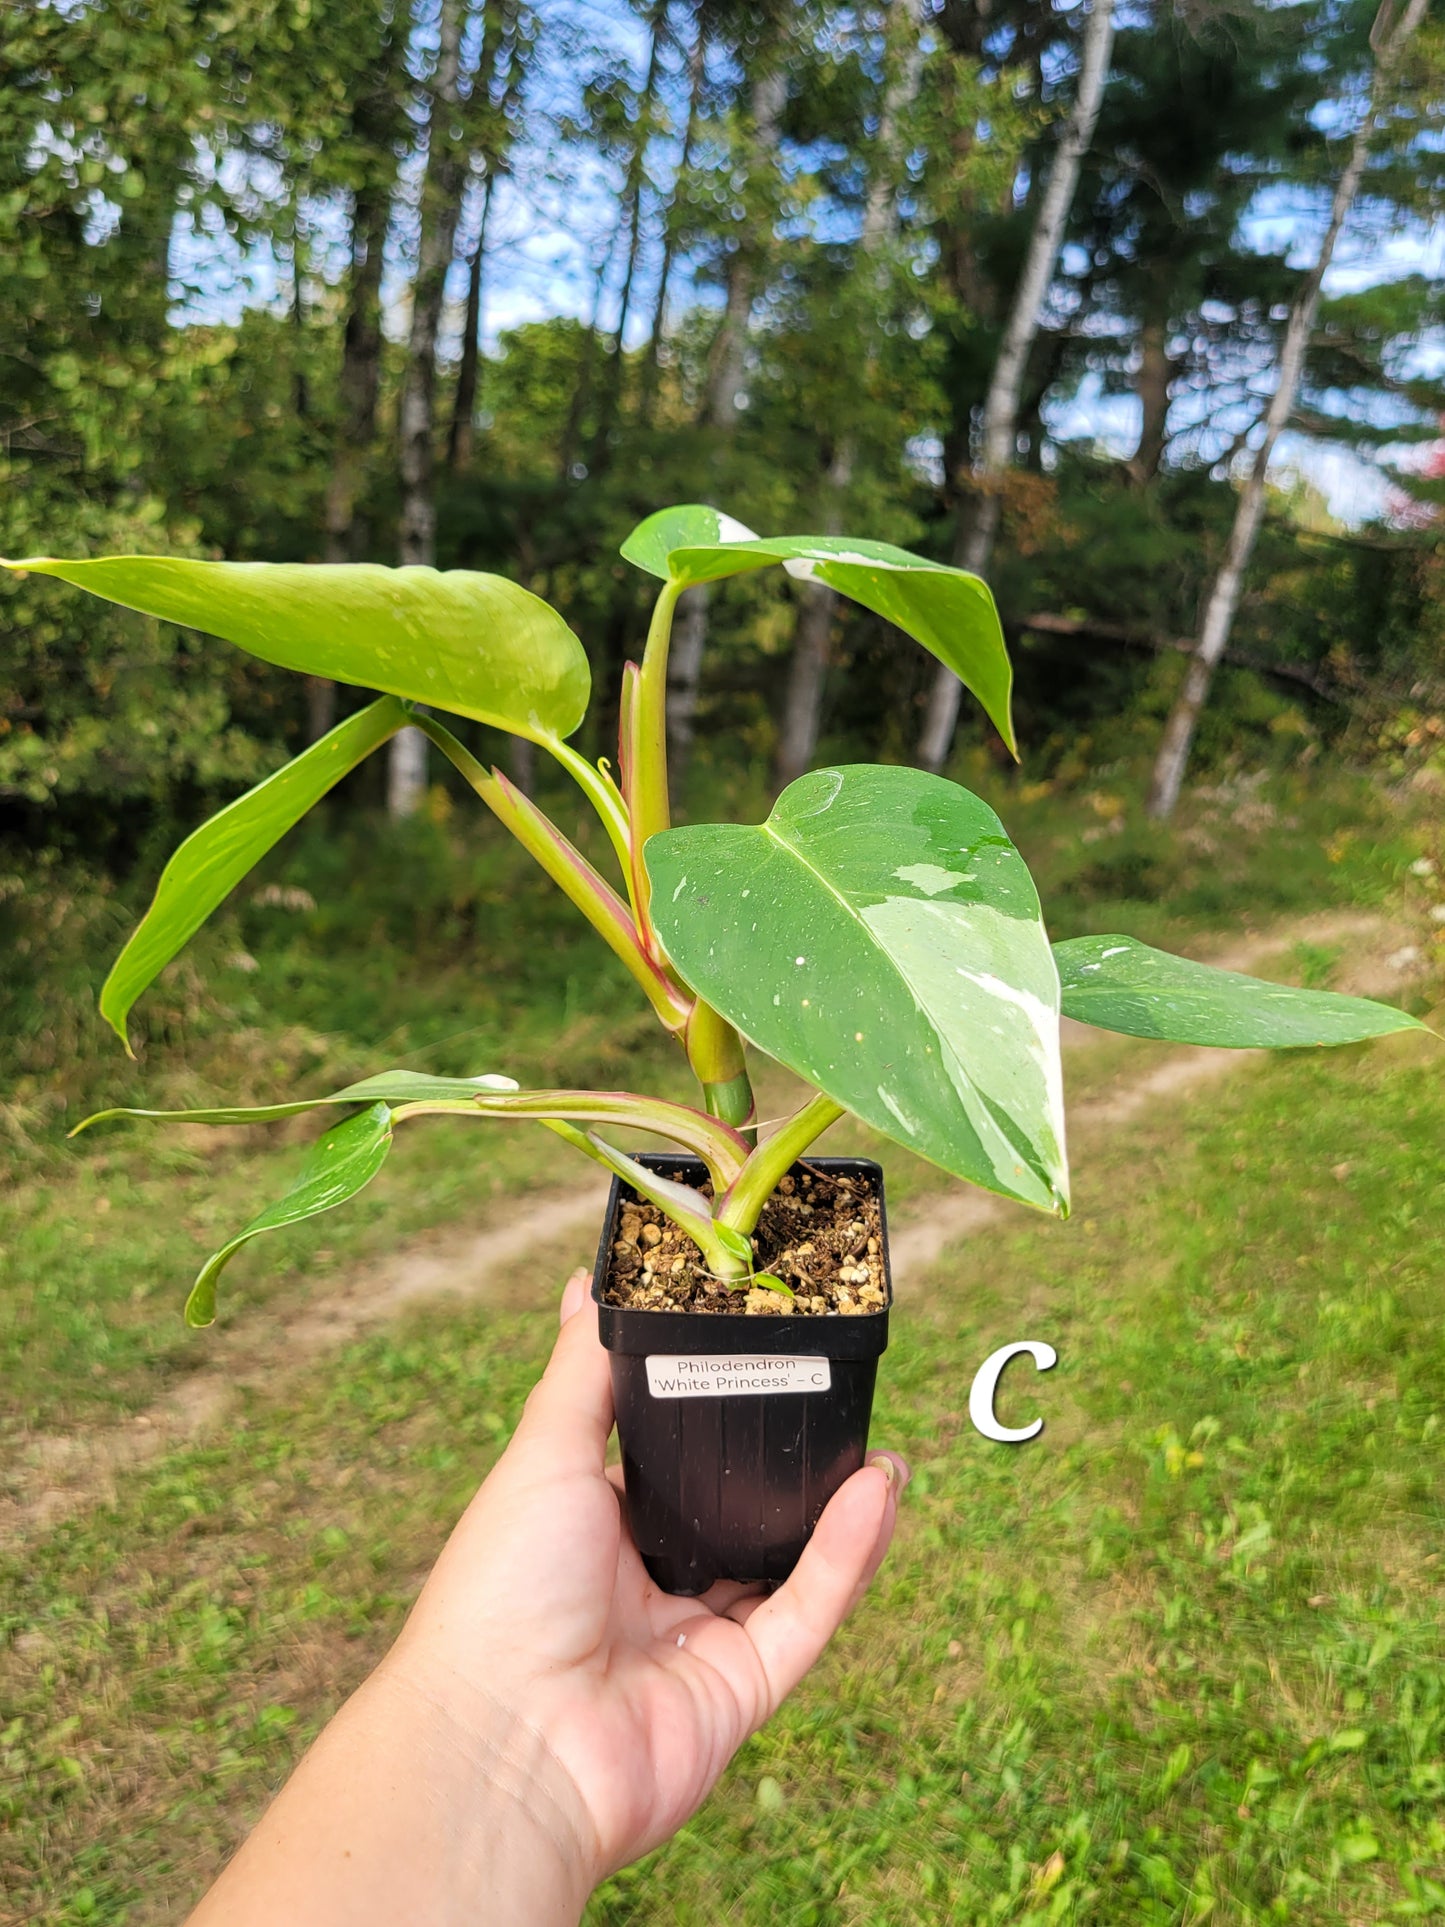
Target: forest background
(483,283)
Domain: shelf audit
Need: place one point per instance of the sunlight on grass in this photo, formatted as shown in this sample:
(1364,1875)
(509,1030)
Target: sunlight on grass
(1184,1651)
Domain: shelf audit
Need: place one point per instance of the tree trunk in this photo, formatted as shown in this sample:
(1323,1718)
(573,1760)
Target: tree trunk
(684,674)
(636,178)
(651,366)
(462,434)
(1151,384)
(726,383)
(974,539)
(500,49)
(302,392)
(581,399)
(441,191)
(728,362)
(522,761)
(818,616)
(1389,38)
(812,642)
(358,386)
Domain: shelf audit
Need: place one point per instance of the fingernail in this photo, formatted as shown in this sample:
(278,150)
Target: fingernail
(895,1470)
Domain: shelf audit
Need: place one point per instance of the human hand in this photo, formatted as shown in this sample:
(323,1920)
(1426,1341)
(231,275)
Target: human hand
(540,1619)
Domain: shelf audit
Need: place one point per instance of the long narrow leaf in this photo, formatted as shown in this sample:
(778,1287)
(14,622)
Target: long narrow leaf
(343,1160)
(474,644)
(212,861)
(1117,983)
(390,1087)
(414,1092)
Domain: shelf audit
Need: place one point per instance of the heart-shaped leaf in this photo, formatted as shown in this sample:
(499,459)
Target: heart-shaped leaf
(342,1161)
(1116,983)
(389,1087)
(476,645)
(880,935)
(949,611)
(212,861)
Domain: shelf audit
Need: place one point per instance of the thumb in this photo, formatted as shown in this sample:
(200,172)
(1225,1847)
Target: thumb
(568,1415)
(790,1629)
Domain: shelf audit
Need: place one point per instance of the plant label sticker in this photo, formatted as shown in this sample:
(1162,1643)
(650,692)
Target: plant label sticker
(721,1377)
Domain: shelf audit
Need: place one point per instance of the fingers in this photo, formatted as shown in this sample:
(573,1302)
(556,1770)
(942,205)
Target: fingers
(569,1413)
(902,1469)
(574,1294)
(724,1594)
(790,1629)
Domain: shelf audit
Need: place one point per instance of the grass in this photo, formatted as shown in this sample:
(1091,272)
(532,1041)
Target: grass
(1180,1659)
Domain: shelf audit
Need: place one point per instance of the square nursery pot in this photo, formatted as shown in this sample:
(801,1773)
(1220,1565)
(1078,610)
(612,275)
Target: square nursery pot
(736,1429)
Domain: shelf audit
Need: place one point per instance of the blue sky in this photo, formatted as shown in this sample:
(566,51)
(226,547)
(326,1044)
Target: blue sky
(552,221)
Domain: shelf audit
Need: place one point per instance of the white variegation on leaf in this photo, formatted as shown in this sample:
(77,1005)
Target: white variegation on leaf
(1118,983)
(881,936)
(948,610)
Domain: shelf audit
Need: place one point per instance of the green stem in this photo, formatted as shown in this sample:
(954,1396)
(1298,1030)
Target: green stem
(570,871)
(627,760)
(604,796)
(724,1151)
(728,1254)
(647,774)
(715,1052)
(714,1049)
(741,1206)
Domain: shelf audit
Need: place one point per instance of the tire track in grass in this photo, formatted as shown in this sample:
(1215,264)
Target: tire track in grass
(539,1237)
(62,1473)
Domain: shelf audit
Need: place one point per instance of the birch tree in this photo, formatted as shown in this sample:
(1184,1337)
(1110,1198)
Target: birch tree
(975,533)
(802,709)
(507,39)
(634,193)
(443,179)
(727,373)
(1389,38)
(652,357)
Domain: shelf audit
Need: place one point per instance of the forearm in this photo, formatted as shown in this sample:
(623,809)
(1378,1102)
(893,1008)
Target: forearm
(403,1812)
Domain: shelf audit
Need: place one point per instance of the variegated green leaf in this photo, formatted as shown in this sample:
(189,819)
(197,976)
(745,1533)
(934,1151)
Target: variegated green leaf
(881,936)
(1117,983)
(949,611)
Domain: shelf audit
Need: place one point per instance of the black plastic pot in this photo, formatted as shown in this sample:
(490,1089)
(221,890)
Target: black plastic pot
(735,1430)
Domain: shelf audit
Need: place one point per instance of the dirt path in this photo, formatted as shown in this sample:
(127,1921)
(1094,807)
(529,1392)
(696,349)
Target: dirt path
(513,1260)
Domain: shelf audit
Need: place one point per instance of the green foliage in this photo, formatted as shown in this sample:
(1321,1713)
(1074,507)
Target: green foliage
(950,612)
(475,645)
(1188,1642)
(911,970)
(106,722)
(1119,984)
(209,864)
(880,936)
(343,1160)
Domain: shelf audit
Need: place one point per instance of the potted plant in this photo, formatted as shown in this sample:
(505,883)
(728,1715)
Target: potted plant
(879,935)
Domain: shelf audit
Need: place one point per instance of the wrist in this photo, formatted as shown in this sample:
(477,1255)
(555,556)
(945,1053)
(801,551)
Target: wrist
(510,1807)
